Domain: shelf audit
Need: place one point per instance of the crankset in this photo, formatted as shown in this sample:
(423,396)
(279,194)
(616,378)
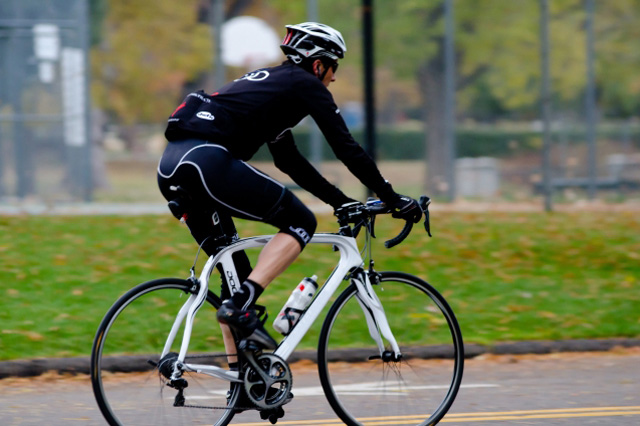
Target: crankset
(267,381)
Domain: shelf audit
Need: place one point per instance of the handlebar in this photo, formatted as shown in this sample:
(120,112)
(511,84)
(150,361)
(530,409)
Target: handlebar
(365,214)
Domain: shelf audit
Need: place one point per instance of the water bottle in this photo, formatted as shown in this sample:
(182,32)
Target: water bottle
(296,304)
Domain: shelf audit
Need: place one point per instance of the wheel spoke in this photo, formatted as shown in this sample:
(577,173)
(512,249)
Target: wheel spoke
(129,391)
(422,384)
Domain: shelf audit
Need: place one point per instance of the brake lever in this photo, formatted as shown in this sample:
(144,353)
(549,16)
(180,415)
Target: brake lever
(424,205)
(372,227)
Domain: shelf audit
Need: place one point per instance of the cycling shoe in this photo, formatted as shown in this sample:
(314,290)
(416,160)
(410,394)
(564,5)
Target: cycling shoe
(246,324)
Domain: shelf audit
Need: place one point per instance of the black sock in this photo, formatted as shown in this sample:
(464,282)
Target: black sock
(233,366)
(246,297)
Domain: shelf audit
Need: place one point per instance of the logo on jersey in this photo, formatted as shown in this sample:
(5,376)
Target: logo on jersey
(205,115)
(199,96)
(255,76)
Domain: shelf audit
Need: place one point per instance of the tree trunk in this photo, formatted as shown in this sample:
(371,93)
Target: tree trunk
(129,135)
(431,80)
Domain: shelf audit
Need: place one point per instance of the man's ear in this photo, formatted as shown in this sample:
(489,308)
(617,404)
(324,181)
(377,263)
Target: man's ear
(316,68)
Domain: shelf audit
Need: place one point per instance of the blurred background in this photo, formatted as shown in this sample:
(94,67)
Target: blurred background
(520,101)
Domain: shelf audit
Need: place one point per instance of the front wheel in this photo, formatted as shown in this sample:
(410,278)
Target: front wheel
(127,385)
(419,388)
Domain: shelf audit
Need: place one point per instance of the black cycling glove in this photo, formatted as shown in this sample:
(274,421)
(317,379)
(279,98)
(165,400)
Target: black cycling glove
(402,207)
(406,208)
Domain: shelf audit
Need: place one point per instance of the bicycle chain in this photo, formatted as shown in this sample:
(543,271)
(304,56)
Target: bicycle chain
(219,408)
(207,407)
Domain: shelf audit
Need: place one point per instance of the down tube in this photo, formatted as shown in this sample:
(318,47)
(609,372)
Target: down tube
(349,258)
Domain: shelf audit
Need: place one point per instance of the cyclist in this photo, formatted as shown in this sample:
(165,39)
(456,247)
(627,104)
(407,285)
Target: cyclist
(212,135)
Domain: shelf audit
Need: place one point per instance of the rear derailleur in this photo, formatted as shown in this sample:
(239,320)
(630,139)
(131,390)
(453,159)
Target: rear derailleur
(172,372)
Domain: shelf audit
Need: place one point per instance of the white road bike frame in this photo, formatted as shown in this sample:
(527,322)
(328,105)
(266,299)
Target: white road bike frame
(350,260)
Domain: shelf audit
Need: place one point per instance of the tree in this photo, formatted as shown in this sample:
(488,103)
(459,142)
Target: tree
(146,56)
(497,43)
(497,46)
(617,31)
(97,16)
(493,39)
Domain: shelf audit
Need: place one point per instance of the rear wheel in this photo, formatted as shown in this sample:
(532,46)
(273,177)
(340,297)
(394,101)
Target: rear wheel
(419,388)
(126,382)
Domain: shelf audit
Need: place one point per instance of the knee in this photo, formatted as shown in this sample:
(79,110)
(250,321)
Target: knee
(295,219)
(303,227)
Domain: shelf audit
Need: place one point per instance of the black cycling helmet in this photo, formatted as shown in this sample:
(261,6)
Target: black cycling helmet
(311,40)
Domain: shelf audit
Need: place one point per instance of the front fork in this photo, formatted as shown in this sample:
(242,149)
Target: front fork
(374,313)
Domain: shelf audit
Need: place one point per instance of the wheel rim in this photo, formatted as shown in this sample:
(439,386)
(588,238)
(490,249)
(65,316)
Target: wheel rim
(128,388)
(417,390)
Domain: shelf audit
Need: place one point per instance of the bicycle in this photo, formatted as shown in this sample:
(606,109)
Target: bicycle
(412,338)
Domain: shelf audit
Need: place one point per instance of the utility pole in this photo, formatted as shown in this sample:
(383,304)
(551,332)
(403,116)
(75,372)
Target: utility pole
(312,10)
(217,19)
(450,97)
(369,99)
(86,171)
(590,102)
(545,99)
(315,138)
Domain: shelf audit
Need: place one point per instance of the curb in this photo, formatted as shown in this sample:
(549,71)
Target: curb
(80,365)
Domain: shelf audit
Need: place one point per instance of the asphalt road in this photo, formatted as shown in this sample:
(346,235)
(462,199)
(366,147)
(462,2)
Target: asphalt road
(592,388)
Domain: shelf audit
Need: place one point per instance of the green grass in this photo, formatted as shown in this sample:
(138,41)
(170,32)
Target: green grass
(508,276)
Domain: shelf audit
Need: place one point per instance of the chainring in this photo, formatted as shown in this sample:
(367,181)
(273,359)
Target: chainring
(270,386)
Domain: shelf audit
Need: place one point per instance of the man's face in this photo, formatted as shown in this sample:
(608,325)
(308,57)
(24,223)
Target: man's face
(330,76)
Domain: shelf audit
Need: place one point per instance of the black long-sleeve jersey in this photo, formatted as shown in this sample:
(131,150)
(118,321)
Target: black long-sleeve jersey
(262,107)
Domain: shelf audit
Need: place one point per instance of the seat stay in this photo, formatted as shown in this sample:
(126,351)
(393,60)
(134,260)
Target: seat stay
(177,323)
(194,303)
(188,312)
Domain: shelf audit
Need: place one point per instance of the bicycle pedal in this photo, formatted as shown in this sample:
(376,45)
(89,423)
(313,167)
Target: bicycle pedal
(272,415)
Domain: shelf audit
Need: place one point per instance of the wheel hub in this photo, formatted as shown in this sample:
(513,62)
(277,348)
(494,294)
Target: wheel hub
(390,356)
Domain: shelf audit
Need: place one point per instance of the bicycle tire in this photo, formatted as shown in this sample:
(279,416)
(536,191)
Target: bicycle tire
(420,388)
(130,390)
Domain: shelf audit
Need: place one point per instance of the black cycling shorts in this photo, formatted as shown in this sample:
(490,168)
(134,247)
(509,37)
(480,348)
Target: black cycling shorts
(218,182)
